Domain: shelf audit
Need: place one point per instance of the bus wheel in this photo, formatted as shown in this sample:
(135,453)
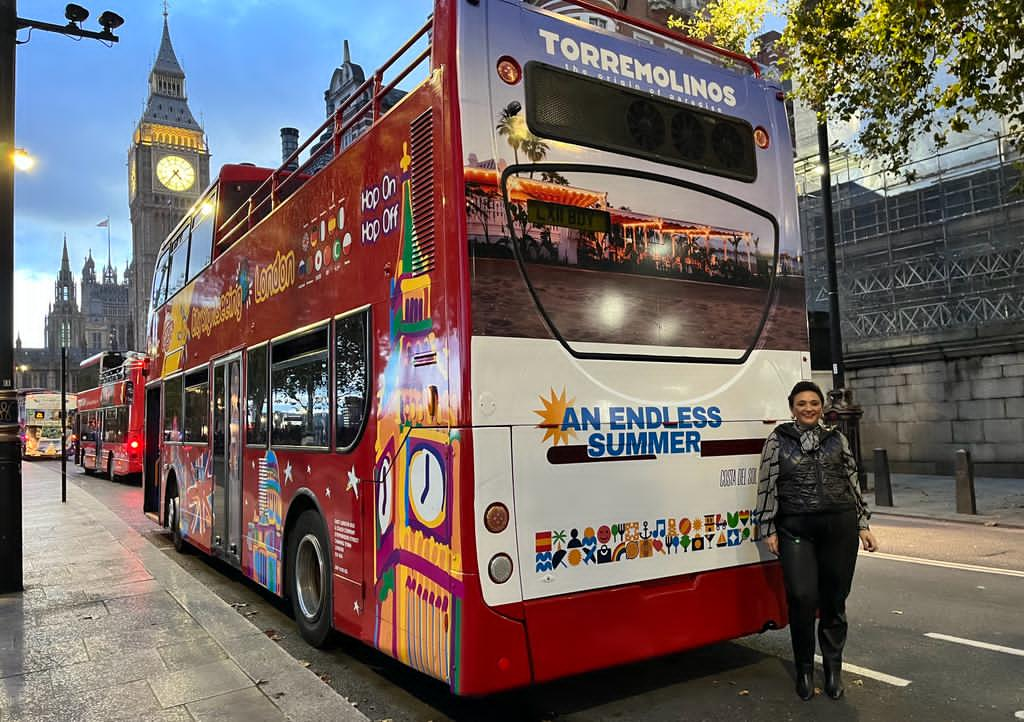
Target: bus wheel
(309,578)
(174,521)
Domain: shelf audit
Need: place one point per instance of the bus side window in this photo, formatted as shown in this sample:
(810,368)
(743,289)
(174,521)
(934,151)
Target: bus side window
(197,407)
(179,264)
(160,281)
(299,391)
(202,238)
(351,378)
(173,392)
(256,397)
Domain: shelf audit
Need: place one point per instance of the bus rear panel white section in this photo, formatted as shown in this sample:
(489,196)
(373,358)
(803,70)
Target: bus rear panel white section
(624,471)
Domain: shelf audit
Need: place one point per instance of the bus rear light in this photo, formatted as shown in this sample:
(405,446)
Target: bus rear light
(509,70)
(134,445)
(500,568)
(496,518)
(761,137)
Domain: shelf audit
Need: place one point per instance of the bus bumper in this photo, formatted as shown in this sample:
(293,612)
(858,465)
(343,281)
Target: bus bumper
(607,627)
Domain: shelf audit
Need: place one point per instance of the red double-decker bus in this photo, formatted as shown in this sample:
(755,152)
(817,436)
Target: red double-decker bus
(484,381)
(111,410)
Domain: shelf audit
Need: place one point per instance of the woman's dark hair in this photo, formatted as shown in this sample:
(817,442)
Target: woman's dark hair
(802,386)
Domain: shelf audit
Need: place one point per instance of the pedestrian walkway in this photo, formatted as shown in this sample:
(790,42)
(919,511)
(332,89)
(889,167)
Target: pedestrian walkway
(1000,502)
(109,628)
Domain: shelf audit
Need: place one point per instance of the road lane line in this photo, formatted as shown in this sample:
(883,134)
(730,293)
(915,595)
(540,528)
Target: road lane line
(947,565)
(870,673)
(973,643)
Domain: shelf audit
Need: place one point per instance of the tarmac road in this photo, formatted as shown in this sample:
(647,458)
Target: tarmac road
(899,673)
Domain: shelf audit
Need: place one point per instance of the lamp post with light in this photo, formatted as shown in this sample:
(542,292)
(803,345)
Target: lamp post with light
(11,569)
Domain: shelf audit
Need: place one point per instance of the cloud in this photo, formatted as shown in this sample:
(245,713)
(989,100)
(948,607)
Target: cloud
(251,67)
(32,294)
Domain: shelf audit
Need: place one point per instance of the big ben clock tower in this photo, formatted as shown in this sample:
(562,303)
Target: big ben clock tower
(168,168)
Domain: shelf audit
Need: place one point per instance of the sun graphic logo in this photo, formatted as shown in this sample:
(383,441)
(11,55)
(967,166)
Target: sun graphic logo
(553,418)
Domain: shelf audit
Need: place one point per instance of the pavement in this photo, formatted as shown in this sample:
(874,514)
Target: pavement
(999,501)
(108,628)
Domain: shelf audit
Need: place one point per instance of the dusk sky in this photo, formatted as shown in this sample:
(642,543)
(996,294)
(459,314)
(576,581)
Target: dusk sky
(251,67)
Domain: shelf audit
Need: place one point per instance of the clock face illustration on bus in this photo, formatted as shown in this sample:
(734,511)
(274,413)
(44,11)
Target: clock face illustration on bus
(175,172)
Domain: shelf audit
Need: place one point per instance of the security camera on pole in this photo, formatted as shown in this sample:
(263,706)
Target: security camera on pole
(11,568)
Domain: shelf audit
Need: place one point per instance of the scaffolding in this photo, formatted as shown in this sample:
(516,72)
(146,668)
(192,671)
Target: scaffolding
(920,261)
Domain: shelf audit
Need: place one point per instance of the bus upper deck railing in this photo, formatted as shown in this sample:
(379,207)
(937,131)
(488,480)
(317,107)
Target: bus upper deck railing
(292,175)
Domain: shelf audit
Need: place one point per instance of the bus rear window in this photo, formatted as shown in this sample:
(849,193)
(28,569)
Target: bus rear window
(561,106)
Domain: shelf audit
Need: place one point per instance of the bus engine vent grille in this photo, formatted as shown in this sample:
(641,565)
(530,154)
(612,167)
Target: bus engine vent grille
(422,152)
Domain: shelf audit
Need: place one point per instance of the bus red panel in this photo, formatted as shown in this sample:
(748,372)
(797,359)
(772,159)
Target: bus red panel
(583,632)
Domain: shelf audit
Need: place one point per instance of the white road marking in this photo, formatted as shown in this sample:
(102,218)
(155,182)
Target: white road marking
(870,673)
(973,643)
(947,565)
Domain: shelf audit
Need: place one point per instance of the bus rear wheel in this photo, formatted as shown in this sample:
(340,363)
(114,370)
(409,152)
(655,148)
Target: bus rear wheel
(173,517)
(309,578)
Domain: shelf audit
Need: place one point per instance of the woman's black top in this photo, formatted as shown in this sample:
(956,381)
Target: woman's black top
(807,470)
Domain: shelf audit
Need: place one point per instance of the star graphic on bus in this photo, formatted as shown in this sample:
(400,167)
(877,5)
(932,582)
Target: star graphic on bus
(552,416)
(353,482)
(288,473)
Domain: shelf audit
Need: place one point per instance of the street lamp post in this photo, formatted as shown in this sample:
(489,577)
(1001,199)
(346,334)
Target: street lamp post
(11,569)
(841,410)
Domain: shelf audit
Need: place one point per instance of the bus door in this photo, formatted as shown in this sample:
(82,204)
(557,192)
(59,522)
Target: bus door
(227,458)
(151,465)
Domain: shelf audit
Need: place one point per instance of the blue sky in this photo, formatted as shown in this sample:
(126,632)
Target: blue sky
(251,67)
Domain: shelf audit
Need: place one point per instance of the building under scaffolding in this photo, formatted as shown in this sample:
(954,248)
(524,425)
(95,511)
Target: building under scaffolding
(931,290)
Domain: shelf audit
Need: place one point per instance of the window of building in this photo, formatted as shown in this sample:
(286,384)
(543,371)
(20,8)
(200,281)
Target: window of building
(599,23)
(197,407)
(173,392)
(643,38)
(351,377)
(300,404)
(256,397)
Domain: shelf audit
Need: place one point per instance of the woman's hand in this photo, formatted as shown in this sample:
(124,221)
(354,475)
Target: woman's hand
(773,544)
(868,541)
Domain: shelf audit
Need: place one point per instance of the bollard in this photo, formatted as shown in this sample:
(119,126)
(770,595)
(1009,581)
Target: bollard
(883,485)
(965,502)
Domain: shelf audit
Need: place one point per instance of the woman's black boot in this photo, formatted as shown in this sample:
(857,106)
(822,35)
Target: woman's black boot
(834,679)
(805,681)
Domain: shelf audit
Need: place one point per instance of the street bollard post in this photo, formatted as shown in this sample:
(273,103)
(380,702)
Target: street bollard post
(883,483)
(965,501)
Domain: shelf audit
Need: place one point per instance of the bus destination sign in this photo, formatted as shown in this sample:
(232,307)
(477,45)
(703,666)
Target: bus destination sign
(542,213)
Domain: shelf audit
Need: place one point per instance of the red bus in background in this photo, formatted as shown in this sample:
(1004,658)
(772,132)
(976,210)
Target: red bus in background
(486,386)
(111,414)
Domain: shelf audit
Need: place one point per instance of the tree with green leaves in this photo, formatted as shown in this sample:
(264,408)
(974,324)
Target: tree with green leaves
(900,69)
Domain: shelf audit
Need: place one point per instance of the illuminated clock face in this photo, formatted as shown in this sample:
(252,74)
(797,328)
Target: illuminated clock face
(175,172)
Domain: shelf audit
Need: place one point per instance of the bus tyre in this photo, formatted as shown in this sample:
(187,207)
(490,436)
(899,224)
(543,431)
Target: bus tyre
(174,521)
(309,578)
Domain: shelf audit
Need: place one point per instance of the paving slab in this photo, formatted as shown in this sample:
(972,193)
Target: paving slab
(110,628)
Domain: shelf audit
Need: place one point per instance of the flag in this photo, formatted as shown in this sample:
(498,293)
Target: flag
(105,223)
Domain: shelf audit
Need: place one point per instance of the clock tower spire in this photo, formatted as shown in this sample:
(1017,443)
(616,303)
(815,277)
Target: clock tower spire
(168,168)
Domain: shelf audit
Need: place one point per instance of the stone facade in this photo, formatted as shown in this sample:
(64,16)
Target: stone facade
(922,413)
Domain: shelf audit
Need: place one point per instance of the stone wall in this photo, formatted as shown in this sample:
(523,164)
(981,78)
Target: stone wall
(923,412)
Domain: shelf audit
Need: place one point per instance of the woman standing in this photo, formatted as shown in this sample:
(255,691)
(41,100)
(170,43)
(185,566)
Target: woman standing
(811,513)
